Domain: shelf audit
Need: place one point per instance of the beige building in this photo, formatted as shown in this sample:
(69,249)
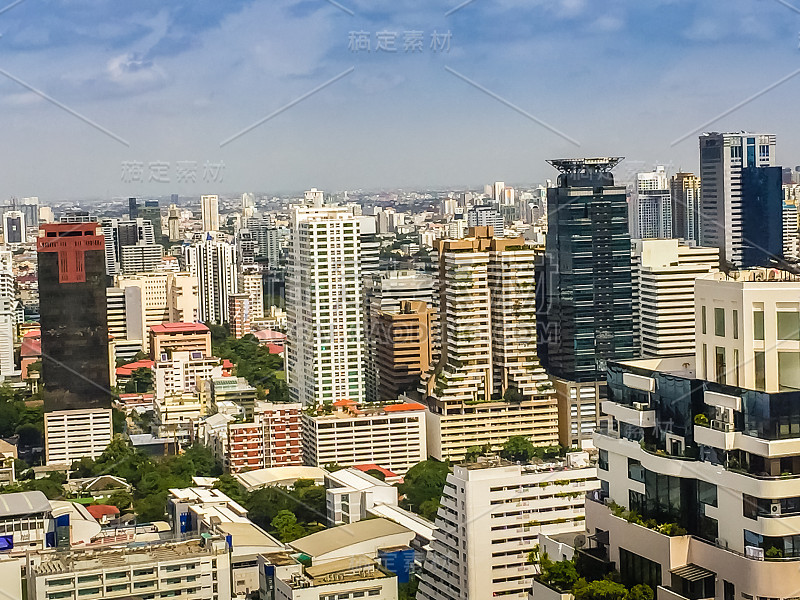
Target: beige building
(70,435)
(252,284)
(662,278)
(166,338)
(488,384)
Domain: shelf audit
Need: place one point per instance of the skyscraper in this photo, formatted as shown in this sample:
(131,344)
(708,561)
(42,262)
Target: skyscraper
(325,342)
(584,314)
(7,318)
(174,223)
(74,334)
(722,158)
(14,227)
(209,208)
(652,211)
(151,211)
(762,216)
(685,197)
(214,264)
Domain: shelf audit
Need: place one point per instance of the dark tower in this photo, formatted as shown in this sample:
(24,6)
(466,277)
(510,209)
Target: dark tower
(584,313)
(72,299)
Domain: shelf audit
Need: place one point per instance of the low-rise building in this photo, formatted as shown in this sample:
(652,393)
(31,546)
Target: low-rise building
(166,338)
(350,494)
(74,434)
(392,436)
(197,569)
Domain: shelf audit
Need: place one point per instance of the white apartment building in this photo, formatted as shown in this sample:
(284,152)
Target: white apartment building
(7,317)
(198,569)
(651,210)
(214,264)
(722,158)
(177,416)
(70,435)
(490,518)
(325,343)
(488,385)
(209,212)
(252,284)
(141,258)
(182,372)
(791,233)
(392,436)
(663,276)
(148,299)
(748,330)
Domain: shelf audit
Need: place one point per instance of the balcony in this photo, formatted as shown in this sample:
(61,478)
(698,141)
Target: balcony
(637,415)
(714,437)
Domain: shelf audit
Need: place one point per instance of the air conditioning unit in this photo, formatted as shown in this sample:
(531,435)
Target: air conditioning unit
(775,509)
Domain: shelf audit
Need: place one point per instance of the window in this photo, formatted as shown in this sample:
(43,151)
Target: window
(749,506)
(736,152)
(788,371)
(602,460)
(760,363)
(706,493)
(635,470)
(720,369)
(637,569)
(758,325)
(703,318)
(728,591)
(735,324)
(705,360)
(719,322)
(789,325)
(736,367)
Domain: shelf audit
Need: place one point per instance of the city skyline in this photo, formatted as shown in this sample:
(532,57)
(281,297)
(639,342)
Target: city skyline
(250,95)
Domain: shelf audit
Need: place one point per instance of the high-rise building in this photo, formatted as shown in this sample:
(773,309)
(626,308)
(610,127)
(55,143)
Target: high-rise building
(252,284)
(491,515)
(685,196)
(214,264)
(141,258)
(7,316)
(488,384)
(707,456)
(167,338)
(209,208)
(383,293)
(122,234)
(248,205)
(663,279)
(762,216)
(240,315)
(402,348)
(486,215)
(14,227)
(325,343)
(151,211)
(585,312)
(723,156)
(246,244)
(652,206)
(791,231)
(74,329)
(174,223)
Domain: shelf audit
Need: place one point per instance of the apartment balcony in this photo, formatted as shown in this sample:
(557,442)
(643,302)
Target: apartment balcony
(636,414)
(722,436)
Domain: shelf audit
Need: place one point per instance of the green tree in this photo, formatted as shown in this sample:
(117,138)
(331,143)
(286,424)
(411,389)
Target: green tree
(602,589)
(121,499)
(518,448)
(376,474)
(513,395)
(473,452)
(640,592)
(423,483)
(228,485)
(286,526)
(561,575)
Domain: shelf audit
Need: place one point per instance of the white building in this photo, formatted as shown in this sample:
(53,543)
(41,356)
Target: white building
(486,216)
(722,158)
(70,435)
(183,371)
(214,264)
(141,258)
(252,284)
(663,276)
(351,493)
(209,211)
(651,210)
(8,318)
(325,343)
(490,517)
(392,436)
(186,569)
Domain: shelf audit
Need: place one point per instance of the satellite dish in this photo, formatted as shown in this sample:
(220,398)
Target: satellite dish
(579,541)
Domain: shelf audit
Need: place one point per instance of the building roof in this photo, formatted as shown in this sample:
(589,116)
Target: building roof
(403,406)
(127,370)
(98,511)
(249,534)
(275,349)
(179,328)
(23,503)
(346,565)
(31,347)
(337,538)
(420,526)
(268,335)
(365,468)
(259,478)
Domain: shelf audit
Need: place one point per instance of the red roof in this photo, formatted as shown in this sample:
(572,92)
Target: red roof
(179,328)
(403,406)
(227,364)
(98,511)
(268,335)
(274,349)
(31,348)
(365,468)
(33,333)
(127,370)
(345,403)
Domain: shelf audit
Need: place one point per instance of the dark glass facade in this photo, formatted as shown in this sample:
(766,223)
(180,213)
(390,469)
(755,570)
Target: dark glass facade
(72,297)
(762,215)
(584,314)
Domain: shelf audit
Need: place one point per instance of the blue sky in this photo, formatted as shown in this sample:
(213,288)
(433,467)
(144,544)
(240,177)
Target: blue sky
(174,80)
